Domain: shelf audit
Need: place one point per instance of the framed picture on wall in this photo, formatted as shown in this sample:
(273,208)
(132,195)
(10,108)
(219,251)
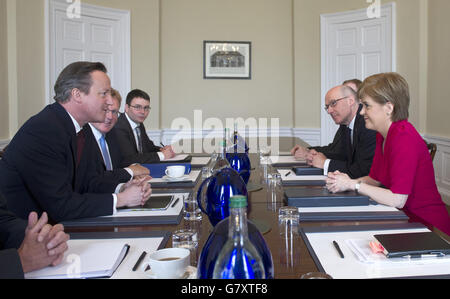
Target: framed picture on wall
(227,60)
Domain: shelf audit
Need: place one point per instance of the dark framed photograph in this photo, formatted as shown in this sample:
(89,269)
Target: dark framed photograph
(227,60)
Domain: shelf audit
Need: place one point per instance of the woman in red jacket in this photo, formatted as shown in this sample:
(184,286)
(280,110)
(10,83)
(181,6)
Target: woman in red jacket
(402,163)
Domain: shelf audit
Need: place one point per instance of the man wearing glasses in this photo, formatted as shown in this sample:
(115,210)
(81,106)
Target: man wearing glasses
(43,164)
(135,146)
(353,147)
(104,157)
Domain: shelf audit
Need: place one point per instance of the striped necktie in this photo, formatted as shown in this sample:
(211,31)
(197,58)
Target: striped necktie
(105,153)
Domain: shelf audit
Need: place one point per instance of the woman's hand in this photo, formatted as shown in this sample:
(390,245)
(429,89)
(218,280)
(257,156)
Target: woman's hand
(339,182)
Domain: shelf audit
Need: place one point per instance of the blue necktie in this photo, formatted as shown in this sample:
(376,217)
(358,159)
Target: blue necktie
(105,153)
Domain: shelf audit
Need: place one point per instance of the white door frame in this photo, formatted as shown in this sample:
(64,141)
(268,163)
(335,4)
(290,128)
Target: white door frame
(122,16)
(387,11)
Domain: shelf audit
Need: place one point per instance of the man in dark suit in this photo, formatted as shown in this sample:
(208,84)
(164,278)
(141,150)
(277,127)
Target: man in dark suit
(40,168)
(25,248)
(134,143)
(106,156)
(353,147)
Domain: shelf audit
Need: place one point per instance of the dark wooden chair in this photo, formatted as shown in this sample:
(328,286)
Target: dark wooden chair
(2,152)
(432,148)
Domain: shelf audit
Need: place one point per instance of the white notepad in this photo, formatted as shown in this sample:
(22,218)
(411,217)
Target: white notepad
(85,259)
(177,158)
(352,266)
(289,176)
(284,160)
(200,161)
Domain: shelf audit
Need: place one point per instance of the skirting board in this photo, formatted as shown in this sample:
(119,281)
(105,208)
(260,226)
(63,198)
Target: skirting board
(311,136)
(4,143)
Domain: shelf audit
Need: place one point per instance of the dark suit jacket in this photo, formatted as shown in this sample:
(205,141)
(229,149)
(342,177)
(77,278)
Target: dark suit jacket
(38,171)
(12,233)
(127,143)
(92,161)
(363,150)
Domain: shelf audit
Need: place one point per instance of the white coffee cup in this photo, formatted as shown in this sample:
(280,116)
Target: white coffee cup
(175,171)
(169,263)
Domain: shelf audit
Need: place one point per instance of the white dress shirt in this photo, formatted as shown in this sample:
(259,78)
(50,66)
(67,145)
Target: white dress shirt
(327,161)
(77,130)
(135,125)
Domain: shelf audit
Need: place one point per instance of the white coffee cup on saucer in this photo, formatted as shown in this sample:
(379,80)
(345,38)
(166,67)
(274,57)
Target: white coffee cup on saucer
(175,172)
(169,263)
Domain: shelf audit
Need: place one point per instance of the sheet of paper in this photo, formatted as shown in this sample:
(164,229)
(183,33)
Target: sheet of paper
(289,175)
(101,250)
(137,246)
(200,161)
(285,160)
(362,251)
(83,259)
(177,158)
(350,267)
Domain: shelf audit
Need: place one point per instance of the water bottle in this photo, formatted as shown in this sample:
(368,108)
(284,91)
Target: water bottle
(221,161)
(239,258)
(238,143)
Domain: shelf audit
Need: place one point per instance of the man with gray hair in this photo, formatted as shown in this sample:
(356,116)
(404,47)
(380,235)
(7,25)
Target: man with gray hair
(353,147)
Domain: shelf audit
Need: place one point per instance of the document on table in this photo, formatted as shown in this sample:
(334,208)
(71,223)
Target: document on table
(200,161)
(177,158)
(96,258)
(288,160)
(359,261)
(85,259)
(289,176)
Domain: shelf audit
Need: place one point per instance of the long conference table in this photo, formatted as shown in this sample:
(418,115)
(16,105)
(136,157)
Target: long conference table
(261,212)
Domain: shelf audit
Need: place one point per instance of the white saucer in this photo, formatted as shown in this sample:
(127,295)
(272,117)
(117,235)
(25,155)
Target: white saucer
(180,179)
(191,273)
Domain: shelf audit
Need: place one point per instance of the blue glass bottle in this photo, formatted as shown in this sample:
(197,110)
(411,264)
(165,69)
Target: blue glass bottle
(238,142)
(216,241)
(239,258)
(237,155)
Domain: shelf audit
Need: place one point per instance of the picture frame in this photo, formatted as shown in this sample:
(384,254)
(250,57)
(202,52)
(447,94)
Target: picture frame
(227,60)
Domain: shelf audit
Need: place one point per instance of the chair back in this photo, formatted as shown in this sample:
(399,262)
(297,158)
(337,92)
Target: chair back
(432,148)
(2,152)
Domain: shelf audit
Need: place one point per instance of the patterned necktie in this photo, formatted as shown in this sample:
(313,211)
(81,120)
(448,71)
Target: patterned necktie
(80,145)
(138,134)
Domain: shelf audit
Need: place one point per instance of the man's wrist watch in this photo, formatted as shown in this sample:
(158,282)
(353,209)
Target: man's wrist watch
(357,186)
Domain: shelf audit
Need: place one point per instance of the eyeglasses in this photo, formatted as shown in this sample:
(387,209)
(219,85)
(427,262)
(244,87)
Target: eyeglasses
(140,108)
(333,103)
(115,113)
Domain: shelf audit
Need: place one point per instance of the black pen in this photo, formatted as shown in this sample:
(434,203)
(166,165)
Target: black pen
(176,201)
(139,261)
(336,245)
(162,144)
(288,173)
